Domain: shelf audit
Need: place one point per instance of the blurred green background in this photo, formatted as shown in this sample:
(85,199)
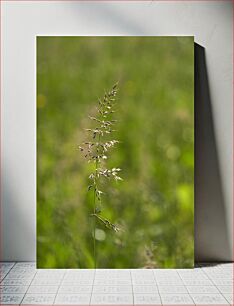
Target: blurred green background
(154,204)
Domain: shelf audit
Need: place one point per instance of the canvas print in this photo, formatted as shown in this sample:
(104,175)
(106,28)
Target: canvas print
(115,152)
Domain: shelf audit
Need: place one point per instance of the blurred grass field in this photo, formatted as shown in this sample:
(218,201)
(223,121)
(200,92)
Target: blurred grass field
(154,204)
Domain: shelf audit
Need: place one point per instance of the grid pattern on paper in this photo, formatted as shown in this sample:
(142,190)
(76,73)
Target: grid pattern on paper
(207,284)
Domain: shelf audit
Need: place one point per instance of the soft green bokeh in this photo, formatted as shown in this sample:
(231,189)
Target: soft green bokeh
(155,203)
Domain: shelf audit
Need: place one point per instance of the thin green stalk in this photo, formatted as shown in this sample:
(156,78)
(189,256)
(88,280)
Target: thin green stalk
(94,151)
(94,221)
(94,209)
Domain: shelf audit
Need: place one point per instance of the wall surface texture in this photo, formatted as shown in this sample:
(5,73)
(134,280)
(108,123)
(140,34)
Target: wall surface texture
(211,24)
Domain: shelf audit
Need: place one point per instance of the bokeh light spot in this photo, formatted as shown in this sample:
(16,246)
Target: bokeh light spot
(41,101)
(173,152)
(100,235)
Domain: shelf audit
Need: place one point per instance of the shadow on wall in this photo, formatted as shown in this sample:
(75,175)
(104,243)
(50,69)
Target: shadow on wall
(211,233)
(111,15)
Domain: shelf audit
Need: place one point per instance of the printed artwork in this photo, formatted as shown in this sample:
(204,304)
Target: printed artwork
(115,152)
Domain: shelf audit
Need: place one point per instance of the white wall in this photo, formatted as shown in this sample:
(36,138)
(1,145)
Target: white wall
(211,24)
